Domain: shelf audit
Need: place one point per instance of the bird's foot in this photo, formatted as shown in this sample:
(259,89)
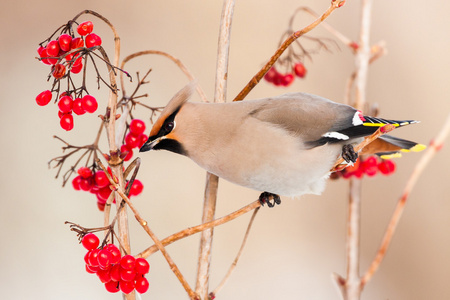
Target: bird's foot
(266,197)
(349,154)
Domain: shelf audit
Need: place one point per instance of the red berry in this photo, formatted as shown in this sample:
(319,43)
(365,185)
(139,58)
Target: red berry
(141,285)
(85,28)
(93,261)
(59,71)
(78,62)
(89,103)
(370,166)
(66,122)
(100,179)
(126,148)
(86,184)
(84,172)
(287,79)
(142,266)
(76,183)
(131,140)
(271,74)
(104,276)
(44,98)
(53,49)
(76,68)
(300,70)
(142,139)
(127,275)
(65,104)
(91,270)
(76,43)
(90,241)
(94,189)
(77,107)
(60,114)
(64,41)
(115,253)
(104,258)
(92,40)
(278,79)
(43,54)
(103,194)
(386,167)
(137,127)
(126,286)
(100,206)
(112,286)
(115,272)
(136,188)
(128,262)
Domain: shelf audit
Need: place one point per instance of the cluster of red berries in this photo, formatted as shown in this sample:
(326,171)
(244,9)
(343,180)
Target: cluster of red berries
(370,167)
(97,183)
(65,47)
(116,272)
(280,79)
(134,139)
(67,105)
(69,47)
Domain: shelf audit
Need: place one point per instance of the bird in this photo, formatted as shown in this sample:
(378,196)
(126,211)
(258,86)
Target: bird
(284,145)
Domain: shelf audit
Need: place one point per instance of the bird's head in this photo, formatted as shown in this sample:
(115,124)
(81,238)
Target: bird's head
(163,135)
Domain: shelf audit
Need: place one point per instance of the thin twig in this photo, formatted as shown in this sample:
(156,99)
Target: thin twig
(234,264)
(178,62)
(255,80)
(345,40)
(199,228)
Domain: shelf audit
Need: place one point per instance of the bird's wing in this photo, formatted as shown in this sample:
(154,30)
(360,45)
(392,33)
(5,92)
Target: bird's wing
(316,120)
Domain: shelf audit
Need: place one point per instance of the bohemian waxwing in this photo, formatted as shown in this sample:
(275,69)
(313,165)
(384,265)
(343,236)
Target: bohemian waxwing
(283,145)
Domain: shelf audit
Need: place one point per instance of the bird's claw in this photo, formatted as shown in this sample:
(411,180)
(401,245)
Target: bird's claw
(349,154)
(266,197)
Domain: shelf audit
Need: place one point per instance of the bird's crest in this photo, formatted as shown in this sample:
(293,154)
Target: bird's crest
(174,104)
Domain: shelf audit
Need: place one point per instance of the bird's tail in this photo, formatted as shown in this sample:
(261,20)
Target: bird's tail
(387,146)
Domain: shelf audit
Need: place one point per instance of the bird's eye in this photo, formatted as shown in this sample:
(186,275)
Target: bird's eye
(169,126)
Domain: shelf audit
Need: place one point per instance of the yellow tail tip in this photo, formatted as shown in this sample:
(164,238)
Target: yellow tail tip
(418,148)
(392,155)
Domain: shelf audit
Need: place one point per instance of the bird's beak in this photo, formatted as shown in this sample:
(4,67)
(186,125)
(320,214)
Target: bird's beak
(149,145)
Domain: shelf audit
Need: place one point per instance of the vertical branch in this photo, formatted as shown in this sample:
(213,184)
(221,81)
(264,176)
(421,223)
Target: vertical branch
(363,54)
(204,255)
(351,287)
(212,181)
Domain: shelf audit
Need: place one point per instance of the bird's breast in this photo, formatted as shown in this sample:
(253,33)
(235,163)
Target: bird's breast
(265,157)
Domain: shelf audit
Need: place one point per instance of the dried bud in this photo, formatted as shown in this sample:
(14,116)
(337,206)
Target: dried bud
(354,45)
(116,180)
(118,116)
(387,128)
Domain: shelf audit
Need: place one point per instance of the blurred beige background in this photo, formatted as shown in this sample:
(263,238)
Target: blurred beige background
(294,248)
